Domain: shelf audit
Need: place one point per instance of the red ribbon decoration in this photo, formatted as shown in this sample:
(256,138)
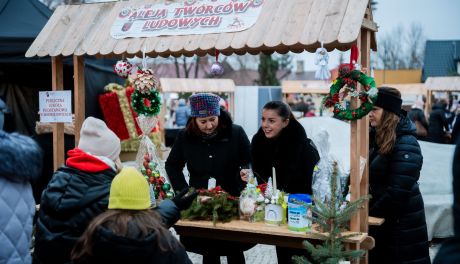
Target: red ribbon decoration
(354,56)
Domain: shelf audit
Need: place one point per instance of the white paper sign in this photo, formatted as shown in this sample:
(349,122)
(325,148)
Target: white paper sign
(186,18)
(55,106)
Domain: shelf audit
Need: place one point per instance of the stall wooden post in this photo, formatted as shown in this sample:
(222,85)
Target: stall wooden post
(79,94)
(57,84)
(364,49)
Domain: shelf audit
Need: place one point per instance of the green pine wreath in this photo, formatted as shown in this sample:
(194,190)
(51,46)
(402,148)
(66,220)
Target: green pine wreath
(367,97)
(147,104)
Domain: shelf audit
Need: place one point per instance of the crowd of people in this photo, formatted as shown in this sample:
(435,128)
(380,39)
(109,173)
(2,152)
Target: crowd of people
(442,125)
(94,210)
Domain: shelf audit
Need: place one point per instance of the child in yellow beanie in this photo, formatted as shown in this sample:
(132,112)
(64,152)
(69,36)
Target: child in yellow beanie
(129,232)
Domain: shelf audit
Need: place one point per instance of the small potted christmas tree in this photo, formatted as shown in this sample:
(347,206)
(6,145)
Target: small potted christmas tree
(332,219)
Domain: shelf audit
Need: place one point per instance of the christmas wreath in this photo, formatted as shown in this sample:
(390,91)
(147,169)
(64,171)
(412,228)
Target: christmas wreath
(147,104)
(346,84)
(214,204)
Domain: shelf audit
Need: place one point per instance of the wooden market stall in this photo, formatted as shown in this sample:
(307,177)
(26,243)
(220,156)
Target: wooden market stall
(409,92)
(316,88)
(181,85)
(282,26)
(305,87)
(440,84)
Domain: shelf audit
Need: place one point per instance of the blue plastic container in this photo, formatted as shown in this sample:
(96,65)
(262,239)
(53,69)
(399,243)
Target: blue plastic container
(299,207)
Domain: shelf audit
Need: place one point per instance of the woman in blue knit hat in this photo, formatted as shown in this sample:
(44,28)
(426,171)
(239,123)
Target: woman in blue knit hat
(212,147)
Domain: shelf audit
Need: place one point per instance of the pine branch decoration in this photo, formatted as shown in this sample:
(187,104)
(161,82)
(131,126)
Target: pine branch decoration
(214,204)
(332,220)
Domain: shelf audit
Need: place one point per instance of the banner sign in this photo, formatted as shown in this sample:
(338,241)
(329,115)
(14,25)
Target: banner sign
(55,107)
(186,18)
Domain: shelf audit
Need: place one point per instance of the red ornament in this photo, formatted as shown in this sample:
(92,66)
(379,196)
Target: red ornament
(149,172)
(146,164)
(147,102)
(146,157)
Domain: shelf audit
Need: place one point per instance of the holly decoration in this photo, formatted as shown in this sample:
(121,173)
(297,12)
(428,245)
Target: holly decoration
(346,84)
(214,204)
(146,104)
(161,188)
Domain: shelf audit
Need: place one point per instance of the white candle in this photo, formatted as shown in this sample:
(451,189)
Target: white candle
(211,183)
(274,180)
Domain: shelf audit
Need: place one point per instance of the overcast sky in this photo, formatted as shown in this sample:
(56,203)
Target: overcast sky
(440,20)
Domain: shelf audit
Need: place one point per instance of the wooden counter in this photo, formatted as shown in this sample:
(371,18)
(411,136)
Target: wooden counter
(259,232)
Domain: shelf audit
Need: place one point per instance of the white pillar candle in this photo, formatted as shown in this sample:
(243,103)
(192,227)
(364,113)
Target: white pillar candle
(211,183)
(274,180)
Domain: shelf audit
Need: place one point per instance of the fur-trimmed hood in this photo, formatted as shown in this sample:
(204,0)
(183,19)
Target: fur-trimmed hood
(20,156)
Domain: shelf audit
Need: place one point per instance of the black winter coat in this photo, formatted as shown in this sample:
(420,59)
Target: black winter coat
(220,157)
(71,200)
(293,155)
(449,253)
(437,124)
(396,197)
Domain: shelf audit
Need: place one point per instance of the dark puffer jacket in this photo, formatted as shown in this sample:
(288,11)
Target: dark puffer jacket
(449,253)
(71,200)
(438,124)
(396,197)
(293,155)
(220,157)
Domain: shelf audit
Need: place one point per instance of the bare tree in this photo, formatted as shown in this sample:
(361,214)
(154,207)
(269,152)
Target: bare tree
(187,64)
(416,44)
(401,49)
(244,62)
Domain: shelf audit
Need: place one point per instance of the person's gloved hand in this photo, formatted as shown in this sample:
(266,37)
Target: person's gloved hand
(184,199)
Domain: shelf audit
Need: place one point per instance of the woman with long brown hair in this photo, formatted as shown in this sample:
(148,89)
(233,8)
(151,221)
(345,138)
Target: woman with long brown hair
(395,161)
(129,232)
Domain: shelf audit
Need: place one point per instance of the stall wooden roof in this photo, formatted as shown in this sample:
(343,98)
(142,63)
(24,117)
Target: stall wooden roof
(451,83)
(408,88)
(175,85)
(306,86)
(283,25)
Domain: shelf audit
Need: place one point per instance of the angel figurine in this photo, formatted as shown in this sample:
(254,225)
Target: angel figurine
(322,59)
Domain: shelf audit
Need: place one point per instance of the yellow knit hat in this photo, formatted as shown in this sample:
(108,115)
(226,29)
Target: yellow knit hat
(129,190)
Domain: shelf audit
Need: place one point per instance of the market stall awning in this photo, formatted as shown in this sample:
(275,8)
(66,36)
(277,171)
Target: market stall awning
(283,25)
(451,83)
(408,88)
(307,86)
(176,85)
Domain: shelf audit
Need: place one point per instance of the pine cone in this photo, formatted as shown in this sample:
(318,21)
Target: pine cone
(145,81)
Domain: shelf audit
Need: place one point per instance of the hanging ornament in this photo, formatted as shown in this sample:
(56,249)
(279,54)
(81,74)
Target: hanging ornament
(145,81)
(322,59)
(217,68)
(123,68)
